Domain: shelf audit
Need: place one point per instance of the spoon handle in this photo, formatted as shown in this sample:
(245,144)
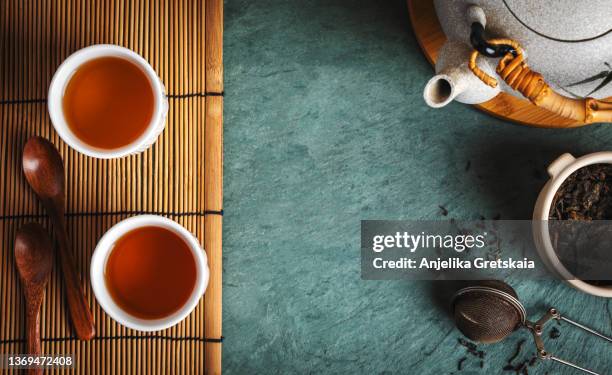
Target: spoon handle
(79,310)
(33,334)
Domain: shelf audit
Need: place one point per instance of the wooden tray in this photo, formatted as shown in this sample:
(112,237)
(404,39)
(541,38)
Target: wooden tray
(430,36)
(179,177)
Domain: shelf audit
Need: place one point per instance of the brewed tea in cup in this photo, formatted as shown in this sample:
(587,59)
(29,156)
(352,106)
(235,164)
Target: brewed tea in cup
(106,101)
(148,272)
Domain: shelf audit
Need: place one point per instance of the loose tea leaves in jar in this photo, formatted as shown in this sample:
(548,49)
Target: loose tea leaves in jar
(585,196)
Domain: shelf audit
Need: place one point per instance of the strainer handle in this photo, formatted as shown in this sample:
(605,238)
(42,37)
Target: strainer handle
(537,328)
(576,324)
(572,365)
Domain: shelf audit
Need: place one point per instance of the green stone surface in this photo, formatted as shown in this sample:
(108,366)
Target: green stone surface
(325,126)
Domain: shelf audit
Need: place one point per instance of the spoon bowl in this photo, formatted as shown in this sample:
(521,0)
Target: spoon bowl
(43,168)
(33,256)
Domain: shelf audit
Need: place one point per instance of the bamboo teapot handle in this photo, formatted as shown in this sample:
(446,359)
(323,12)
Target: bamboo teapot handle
(513,69)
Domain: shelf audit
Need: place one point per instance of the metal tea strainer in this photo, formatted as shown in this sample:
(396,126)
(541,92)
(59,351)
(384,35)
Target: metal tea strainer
(490,311)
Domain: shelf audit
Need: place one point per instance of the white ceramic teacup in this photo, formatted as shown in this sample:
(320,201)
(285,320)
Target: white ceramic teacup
(559,170)
(104,249)
(65,72)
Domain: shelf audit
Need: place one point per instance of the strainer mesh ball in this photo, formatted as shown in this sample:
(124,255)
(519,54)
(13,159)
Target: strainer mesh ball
(488,312)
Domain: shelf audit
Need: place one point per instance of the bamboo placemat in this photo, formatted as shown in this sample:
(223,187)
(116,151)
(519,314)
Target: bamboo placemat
(179,177)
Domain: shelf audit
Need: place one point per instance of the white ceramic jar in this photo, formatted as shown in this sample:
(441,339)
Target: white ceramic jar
(65,72)
(559,170)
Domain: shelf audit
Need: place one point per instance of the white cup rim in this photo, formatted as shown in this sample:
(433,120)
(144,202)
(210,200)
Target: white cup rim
(61,78)
(98,265)
(541,213)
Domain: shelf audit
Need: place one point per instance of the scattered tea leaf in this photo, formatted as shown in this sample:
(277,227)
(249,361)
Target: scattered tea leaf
(519,348)
(554,333)
(460,363)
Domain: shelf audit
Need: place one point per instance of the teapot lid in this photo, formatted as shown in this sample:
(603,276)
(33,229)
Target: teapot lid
(564,20)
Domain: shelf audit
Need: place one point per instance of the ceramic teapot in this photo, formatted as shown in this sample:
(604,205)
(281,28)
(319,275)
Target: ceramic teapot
(556,54)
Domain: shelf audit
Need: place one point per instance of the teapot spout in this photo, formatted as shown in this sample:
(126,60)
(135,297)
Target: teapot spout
(441,90)
(455,81)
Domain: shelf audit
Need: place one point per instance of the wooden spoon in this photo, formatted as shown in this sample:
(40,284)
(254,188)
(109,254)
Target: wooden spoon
(44,170)
(34,259)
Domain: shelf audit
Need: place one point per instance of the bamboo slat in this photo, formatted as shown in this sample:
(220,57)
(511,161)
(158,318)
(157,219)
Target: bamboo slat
(180,176)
